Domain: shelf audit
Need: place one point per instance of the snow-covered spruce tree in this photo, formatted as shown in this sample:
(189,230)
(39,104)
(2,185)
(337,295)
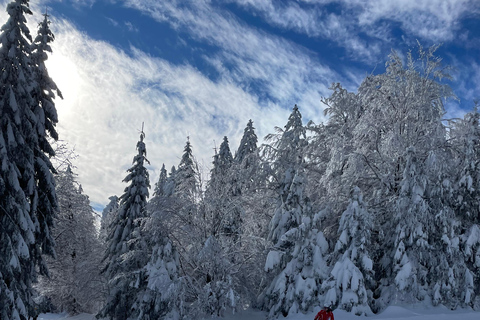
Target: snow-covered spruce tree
(187,176)
(127,253)
(185,194)
(43,94)
(27,188)
(109,214)
(287,147)
(296,259)
(224,227)
(162,181)
(160,293)
(248,144)
(351,278)
(223,212)
(286,155)
(169,186)
(74,285)
(413,225)
(255,202)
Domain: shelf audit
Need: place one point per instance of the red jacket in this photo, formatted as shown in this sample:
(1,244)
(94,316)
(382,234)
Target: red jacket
(324,315)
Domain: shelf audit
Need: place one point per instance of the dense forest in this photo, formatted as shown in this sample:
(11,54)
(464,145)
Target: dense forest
(377,206)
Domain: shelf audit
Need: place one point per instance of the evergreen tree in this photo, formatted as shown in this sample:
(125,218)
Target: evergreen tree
(248,173)
(287,158)
(296,259)
(160,293)
(109,215)
(287,149)
(187,176)
(248,144)
(351,278)
(169,187)
(27,187)
(127,253)
(224,216)
(162,181)
(412,228)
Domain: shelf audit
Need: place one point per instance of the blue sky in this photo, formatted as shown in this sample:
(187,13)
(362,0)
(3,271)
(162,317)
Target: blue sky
(204,68)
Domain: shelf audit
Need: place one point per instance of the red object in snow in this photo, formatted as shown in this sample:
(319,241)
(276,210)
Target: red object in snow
(324,315)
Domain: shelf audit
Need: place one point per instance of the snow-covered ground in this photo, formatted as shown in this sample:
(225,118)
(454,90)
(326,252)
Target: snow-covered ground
(393,313)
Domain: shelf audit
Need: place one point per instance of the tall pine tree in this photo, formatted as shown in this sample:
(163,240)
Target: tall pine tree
(127,252)
(27,187)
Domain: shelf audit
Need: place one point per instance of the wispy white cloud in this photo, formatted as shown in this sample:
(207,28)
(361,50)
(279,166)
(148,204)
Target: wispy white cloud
(433,21)
(314,21)
(113,22)
(130,26)
(246,56)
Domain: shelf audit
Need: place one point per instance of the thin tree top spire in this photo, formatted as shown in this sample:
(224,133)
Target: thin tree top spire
(248,144)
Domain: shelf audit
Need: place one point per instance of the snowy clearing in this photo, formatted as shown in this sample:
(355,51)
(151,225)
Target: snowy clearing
(393,312)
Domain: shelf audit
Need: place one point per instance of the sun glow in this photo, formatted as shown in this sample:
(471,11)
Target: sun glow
(65,74)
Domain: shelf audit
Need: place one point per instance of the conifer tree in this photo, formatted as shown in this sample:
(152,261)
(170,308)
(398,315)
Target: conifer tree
(286,151)
(351,278)
(296,259)
(27,187)
(160,290)
(187,176)
(220,194)
(109,215)
(127,252)
(248,144)
(248,173)
(169,187)
(412,229)
(162,181)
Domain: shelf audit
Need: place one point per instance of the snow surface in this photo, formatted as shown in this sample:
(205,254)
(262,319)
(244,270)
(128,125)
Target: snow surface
(393,313)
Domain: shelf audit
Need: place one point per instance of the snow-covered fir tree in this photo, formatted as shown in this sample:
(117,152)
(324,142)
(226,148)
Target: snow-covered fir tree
(109,215)
(161,290)
(248,144)
(296,259)
(255,201)
(162,182)
(127,252)
(74,285)
(413,225)
(351,278)
(27,187)
(221,197)
(187,176)
(287,147)
(169,186)
(287,156)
